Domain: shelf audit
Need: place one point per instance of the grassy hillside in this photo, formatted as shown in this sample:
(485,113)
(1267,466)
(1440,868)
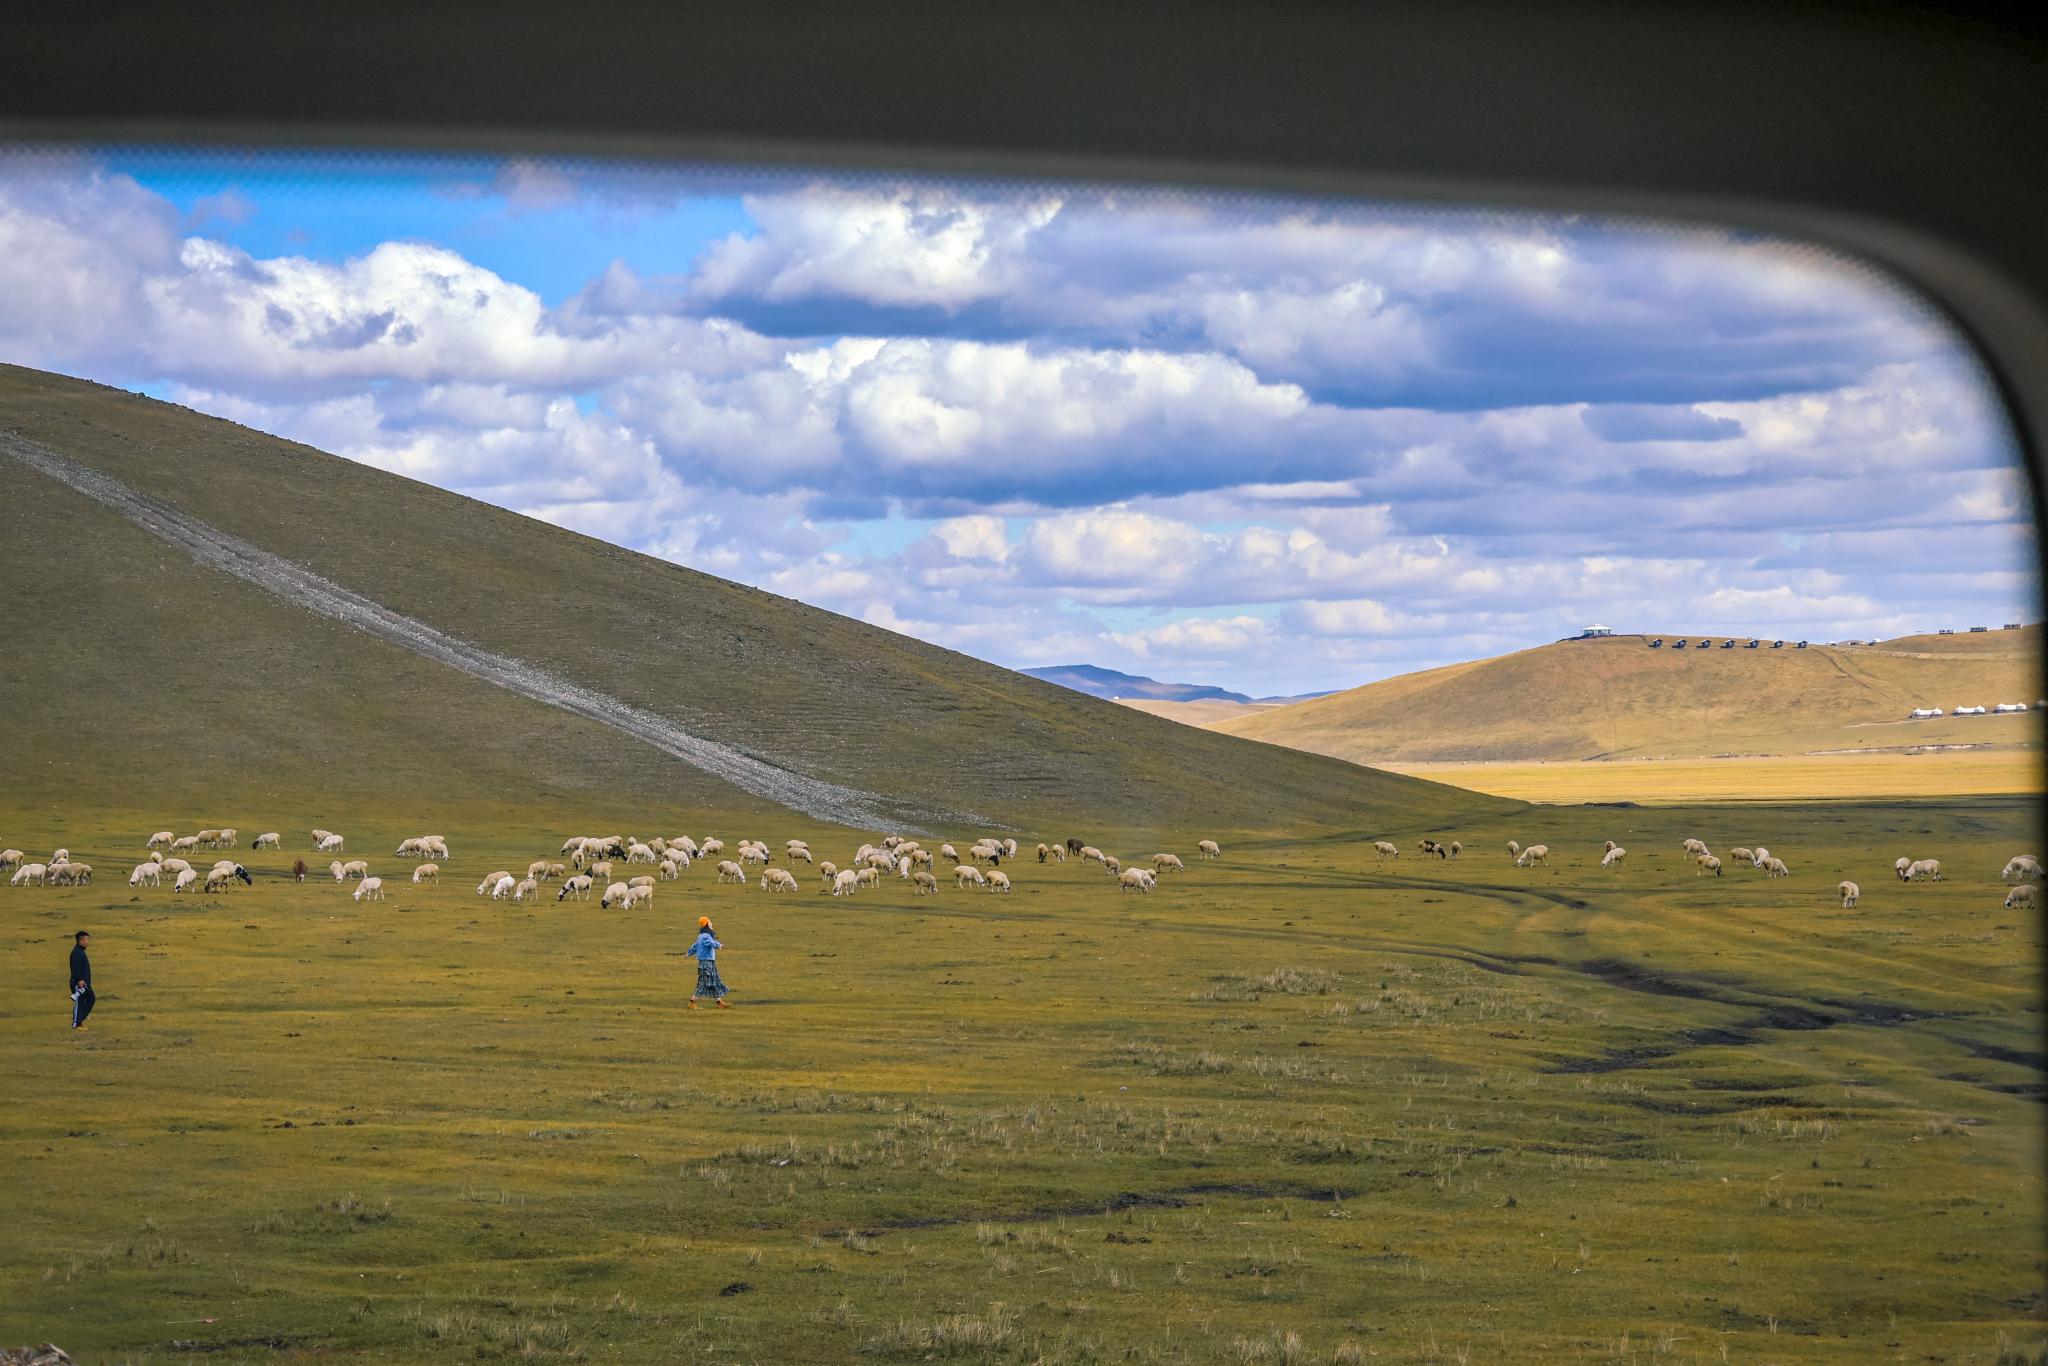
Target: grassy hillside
(144,676)
(1612,698)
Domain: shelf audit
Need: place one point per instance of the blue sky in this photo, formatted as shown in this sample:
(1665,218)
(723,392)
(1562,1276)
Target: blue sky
(1272,444)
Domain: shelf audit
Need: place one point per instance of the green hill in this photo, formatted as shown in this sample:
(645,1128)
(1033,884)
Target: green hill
(140,674)
(1616,697)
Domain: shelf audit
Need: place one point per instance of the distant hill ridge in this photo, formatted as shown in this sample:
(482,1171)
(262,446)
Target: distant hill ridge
(223,615)
(1109,683)
(1617,696)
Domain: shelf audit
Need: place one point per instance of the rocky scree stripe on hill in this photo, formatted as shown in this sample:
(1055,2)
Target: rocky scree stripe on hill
(296,584)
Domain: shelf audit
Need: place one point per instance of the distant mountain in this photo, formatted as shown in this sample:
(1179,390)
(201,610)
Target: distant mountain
(1100,682)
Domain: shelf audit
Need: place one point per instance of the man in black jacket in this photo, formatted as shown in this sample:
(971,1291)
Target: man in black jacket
(81,980)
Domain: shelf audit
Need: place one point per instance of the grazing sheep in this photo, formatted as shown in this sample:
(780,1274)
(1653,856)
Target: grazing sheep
(571,845)
(527,887)
(536,868)
(1044,852)
(1743,855)
(155,856)
(601,869)
(2022,895)
(371,889)
(298,870)
(81,873)
(788,845)
(636,896)
(356,867)
(1850,891)
(668,870)
(60,856)
(1614,855)
(922,884)
(1009,848)
(778,880)
(613,895)
(1115,866)
(1456,849)
(644,880)
(1900,865)
(921,858)
(867,877)
(641,853)
(728,871)
(554,873)
(1929,868)
(319,835)
(185,844)
(1386,849)
(999,881)
(1534,854)
(1776,868)
(1608,847)
(174,865)
(229,836)
(1426,845)
(209,838)
(407,848)
(1514,850)
(1090,854)
(800,853)
(1708,864)
(160,837)
(269,839)
(340,871)
(1759,856)
(427,872)
(34,874)
(903,866)
(331,845)
(947,851)
(226,865)
(186,880)
(882,861)
(2021,867)
(1134,880)
(686,844)
(828,870)
(1209,848)
(218,880)
(708,848)
(492,880)
(844,882)
(145,873)
(967,873)
(1696,847)
(577,886)
(1168,863)
(11,858)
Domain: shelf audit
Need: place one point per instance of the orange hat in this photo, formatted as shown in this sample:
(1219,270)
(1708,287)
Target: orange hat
(703,922)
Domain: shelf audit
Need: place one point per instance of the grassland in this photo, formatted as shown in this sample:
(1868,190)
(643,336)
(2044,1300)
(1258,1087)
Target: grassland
(1296,1106)
(1833,777)
(1618,699)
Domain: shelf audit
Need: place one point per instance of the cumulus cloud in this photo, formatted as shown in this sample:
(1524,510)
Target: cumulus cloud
(1275,445)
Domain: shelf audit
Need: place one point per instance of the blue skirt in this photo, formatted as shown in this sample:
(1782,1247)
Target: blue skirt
(709,983)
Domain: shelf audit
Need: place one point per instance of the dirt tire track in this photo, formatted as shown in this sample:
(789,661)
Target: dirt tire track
(302,587)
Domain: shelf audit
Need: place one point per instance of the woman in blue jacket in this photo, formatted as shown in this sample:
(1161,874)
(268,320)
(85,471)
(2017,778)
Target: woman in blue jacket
(705,951)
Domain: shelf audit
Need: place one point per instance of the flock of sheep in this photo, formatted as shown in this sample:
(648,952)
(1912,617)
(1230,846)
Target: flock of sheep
(2022,869)
(588,862)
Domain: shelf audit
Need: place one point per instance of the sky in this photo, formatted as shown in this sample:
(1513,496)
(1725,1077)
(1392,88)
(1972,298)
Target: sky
(1274,444)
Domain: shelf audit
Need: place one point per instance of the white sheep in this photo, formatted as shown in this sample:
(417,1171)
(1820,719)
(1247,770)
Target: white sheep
(600,870)
(571,845)
(503,887)
(434,847)
(965,874)
(999,881)
(686,844)
(331,845)
(427,872)
(828,870)
(668,870)
(577,886)
(30,874)
(1135,880)
(798,854)
(1385,849)
(708,848)
(643,880)
(614,895)
(1168,863)
(11,858)
(527,887)
(148,874)
(174,866)
(1115,866)
(1929,868)
(947,851)
(1850,891)
(903,867)
(370,889)
(2022,895)
(2021,867)
(1708,865)
(1514,850)
(636,896)
(1759,857)
(269,839)
(218,880)
(537,869)
(1696,848)
(186,880)
(1209,848)
(1009,848)
(844,882)
(778,880)
(1534,854)
(1614,855)
(1900,865)
(867,877)
(1741,855)
(319,835)
(1775,867)
(728,871)
(641,853)
(408,848)
(1089,853)
(921,858)
(184,844)
(922,884)
(160,837)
